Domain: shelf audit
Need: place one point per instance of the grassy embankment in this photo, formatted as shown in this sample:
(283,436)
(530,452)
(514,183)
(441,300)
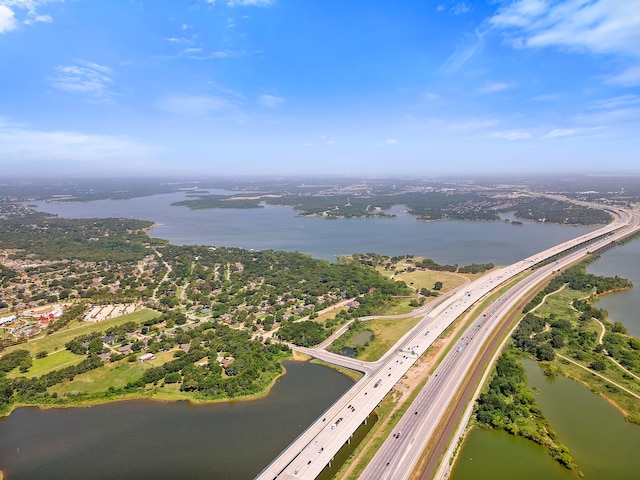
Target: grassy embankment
(396,403)
(387,331)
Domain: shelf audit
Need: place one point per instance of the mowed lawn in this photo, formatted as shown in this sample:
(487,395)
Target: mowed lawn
(59,359)
(387,331)
(56,341)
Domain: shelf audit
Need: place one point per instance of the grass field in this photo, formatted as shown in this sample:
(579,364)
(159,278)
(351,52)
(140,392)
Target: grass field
(99,380)
(558,305)
(114,375)
(399,307)
(56,341)
(427,279)
(59,359)
(387,332)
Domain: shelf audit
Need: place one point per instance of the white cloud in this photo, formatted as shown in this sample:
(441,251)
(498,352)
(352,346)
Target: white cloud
(559,132)
(599,26)
(494,87)
(627,78)
(519,13)
(7,19)
(252,3)
(9,8)
(459,9)
(42,19)
(511,135)
(89,78)
(440,8)
(270,101)
(20,144)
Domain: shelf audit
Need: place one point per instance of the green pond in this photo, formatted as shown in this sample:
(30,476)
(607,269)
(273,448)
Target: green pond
(603,444)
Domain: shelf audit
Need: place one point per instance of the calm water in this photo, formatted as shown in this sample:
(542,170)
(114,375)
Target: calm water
(603,445)
(237,440)
(623,261)
(149,440)
(496,455)
(279,228)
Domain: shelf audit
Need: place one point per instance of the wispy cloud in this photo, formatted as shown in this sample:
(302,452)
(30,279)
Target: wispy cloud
(494,87)
(324,140)
(472,124)
(198,105)
(463,53)
(270,101)
(616,102)
(627,78)
(88,78)
(511,135)
(559,132)
(599,26)
(389,141)
(249,3)
(547,97)
(10,21)
(623,109)
(20,143)
(195,53)
(459,8)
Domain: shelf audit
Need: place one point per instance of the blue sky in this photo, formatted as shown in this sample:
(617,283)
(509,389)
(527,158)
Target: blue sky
(97,87)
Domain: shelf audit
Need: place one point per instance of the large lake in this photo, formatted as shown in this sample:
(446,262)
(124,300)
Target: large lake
(623,261)
(280,228)
(152,440)
(235,440)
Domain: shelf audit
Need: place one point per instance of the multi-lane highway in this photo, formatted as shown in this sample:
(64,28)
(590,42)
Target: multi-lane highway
(307,456)
(399,454)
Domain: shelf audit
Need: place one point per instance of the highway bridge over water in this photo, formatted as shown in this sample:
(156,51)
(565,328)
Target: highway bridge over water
(314,449)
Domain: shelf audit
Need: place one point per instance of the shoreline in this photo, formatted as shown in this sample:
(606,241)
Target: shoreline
(158,397)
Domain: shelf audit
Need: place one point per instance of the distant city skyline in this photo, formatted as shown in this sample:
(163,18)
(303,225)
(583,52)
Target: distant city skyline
(237,87)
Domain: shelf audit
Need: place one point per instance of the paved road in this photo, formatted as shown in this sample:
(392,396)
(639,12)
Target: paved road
(307,456)
(398,456)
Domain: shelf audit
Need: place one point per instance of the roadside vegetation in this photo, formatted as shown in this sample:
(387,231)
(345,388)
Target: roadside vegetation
(563,331)
(508,404)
